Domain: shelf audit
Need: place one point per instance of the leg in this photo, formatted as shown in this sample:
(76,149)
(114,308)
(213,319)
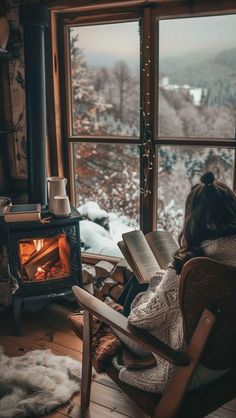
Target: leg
(87,362)
(134,288)
(124,293)
(17,305)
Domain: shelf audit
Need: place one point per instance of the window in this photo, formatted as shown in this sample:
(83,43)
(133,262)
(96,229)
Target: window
(197,77)
(107,194)
(150,104)
(105,103)
(196,99)
(105,79)
(179,169)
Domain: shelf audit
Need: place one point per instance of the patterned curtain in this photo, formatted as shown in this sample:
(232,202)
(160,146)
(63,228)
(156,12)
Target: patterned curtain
(18,149)
(15,46)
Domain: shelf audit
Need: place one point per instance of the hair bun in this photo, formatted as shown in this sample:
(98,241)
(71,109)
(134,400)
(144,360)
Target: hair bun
(208,178)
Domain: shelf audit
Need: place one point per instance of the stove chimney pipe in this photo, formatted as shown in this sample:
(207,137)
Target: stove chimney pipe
(35,20)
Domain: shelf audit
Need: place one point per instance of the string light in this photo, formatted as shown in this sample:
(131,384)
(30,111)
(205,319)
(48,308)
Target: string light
(146,146)
(147,156)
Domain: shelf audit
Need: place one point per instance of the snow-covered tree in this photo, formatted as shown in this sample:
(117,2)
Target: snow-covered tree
(108,174)
(88,104)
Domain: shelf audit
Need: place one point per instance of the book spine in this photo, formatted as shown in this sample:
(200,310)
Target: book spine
(23,217)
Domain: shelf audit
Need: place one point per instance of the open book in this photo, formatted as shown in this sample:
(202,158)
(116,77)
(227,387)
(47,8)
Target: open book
(146,254)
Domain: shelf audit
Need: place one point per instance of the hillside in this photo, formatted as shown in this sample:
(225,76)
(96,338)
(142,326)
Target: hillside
(217,74)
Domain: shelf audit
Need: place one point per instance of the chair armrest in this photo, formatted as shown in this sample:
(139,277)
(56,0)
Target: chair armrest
(116,320)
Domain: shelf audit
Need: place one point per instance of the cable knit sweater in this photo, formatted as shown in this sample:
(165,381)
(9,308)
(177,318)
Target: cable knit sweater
(158,311)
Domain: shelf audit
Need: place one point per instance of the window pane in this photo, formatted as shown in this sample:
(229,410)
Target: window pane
(107,194)
(105,79)
(197,77)
(179,169)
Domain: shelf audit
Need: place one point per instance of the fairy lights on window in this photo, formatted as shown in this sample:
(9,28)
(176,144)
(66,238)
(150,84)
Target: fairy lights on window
(146,148)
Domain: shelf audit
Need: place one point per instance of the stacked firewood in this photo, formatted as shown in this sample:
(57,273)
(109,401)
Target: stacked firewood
(106,279)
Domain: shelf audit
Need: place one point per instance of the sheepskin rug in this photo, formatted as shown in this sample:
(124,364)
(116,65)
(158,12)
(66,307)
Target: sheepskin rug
(35,383)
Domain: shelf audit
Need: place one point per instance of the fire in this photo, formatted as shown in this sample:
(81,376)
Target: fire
(39,243)
(45,259)
(40,274)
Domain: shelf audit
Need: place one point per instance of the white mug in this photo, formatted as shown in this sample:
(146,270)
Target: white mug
(61,206)
(56,187)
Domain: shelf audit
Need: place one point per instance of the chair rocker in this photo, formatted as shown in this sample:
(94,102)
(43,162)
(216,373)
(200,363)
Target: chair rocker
(208,304)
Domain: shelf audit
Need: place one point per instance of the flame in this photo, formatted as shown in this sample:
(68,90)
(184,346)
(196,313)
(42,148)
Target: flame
(40,270)
(38,243)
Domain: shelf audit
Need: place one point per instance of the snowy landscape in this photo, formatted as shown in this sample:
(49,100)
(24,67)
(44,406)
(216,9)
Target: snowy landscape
(197,98)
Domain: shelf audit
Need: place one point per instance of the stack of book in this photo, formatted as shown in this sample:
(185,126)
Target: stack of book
(23,213)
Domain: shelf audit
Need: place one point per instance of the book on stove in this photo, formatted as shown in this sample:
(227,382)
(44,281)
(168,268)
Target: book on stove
(23,213)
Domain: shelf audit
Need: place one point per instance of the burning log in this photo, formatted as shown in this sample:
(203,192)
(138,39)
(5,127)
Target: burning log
(49,252)
(53,273)
(64,253)
(27,249)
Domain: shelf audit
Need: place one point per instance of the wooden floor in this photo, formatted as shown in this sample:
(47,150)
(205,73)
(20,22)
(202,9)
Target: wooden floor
(49,329)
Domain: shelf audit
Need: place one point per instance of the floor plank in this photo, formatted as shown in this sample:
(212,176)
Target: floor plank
(96,410)
(224,413)
(231,405)
(55,414)
(49,329)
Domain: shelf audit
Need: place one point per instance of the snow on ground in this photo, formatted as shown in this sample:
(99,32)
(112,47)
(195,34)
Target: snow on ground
(97,239)
(92,211)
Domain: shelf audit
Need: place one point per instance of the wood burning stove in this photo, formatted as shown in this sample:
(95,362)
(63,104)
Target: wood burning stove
(44,261)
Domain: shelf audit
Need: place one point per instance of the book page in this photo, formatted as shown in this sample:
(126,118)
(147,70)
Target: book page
(126,254)
(163,246)
(144,264)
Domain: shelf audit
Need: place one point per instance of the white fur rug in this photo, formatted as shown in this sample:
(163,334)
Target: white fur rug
(35,383)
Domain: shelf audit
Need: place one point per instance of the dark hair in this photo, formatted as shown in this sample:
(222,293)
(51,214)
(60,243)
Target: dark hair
(210,213)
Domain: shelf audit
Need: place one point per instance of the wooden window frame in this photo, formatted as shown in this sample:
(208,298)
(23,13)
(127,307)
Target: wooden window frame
(66,13)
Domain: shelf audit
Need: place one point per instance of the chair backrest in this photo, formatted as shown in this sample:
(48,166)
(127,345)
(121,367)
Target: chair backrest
(206,283)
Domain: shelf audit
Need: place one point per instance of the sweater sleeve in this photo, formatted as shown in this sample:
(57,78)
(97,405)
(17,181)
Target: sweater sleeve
(151,309)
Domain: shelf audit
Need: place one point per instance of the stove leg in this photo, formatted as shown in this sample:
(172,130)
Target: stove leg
(17,305)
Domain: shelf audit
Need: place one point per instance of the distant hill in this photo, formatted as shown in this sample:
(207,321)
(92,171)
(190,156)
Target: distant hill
(227,58)
(215,73)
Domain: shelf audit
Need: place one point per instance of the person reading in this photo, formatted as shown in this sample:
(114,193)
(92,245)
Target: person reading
(209,230)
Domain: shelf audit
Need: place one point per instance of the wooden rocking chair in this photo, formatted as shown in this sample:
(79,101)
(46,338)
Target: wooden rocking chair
(208,303)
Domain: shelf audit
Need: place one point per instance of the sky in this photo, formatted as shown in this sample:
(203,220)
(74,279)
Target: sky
(107,43)
(181,36)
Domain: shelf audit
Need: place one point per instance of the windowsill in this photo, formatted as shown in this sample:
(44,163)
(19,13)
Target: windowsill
(94,258)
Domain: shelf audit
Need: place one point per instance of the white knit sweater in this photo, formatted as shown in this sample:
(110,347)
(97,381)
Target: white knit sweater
(158,311)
